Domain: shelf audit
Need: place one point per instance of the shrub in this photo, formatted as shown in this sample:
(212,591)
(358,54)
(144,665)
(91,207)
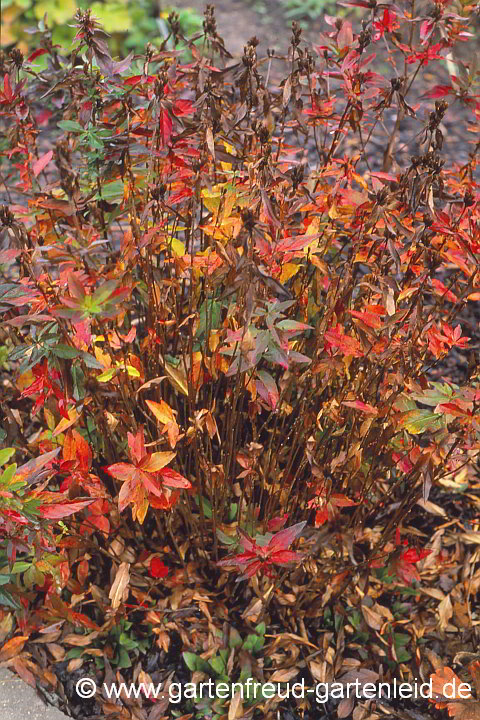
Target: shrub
(214,342)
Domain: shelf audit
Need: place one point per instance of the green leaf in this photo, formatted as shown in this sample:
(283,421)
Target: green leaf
(217,665)
(190,660)
(103,292)
(418,421)
(206,505)
(65,351)
(111,191)
(226,539)
(234,639)
(211,315)
(123,658)
(107,375)
(261,629)
(91,361)
(7,599)
(94,141)
(195,662)
(7,475)
(401,639)
(435,395)
(70,126)
(6,454)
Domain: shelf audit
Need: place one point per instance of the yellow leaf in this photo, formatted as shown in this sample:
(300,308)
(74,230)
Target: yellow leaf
(178,247)
(103,357)
(25,380)
(211,198)
(288,271)
(177,377)
(64,423)
(333,212)
(49,418)
(140,510)
(361,181)
(162,411)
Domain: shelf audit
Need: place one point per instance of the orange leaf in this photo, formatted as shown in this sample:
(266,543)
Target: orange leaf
(157,461)
(13,647)
(451,693)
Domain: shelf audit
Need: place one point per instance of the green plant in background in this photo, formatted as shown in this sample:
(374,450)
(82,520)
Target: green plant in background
(4,352)
(228,673)
(131,23)
(301,9)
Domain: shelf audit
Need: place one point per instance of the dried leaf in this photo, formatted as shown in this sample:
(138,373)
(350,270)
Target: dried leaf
(119,590)
(345,706)
(373,619)
(235,709)
(284,675)
(210,141)
(287,91)
(445,612)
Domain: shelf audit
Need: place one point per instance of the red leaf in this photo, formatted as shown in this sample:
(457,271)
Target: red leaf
(359,405)
(122,471)
(284,538)
(438,91)
(166,126)
(37,53)
(173,479)
(136,444)
(42,163)
(157,568)
(183,107)
(7,88)
(277,522)
(61,510)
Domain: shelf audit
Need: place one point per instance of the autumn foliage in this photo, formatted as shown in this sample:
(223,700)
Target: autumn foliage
(223,316)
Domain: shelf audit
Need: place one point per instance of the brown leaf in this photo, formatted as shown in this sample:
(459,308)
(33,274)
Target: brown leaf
(284,675)
(75,664)
(345,706)
(474,670)
(373,619)
(362,675)
(58,652)
(210,142)
(119,590)
(317,670)
(235,709)
(462,618)
(287,91)
(6,626)
(23,672)
(78,640)
(445,612)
